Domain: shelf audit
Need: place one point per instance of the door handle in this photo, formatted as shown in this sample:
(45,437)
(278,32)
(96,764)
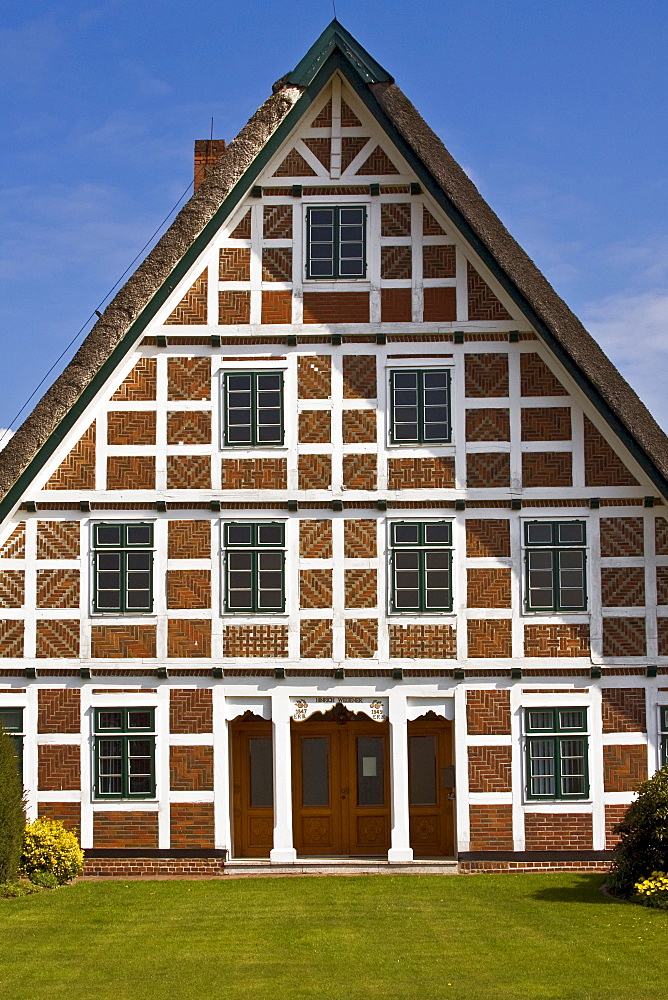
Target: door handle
(344,791)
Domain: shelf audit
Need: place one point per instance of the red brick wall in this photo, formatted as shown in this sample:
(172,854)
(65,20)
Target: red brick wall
(429,642)
(255,640)
(59,767)
(490,769)
(69,813)
(59,710)
(190,710)
(491,827)
(558,831)
(556,640)
(315,588)
(488,713)
(489,637)
(336,307)
(191,768)
(623,710)
(613,816)
(191,825)
(255,474)
(125,829)
(624,767)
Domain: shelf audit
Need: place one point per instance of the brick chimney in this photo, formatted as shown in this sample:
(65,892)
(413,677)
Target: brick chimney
(207,154)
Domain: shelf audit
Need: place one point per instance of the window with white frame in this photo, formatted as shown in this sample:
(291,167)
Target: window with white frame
(11,720)
(123,567)
(556,742)
(124,747)
(336,241)
(555,566)
(254,567)
(252,408)
(421,566)
(420,406)
(663,722)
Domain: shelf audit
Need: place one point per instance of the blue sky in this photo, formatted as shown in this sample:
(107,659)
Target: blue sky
(557,111)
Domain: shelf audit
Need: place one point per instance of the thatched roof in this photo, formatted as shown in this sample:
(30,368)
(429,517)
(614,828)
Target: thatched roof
(560,328)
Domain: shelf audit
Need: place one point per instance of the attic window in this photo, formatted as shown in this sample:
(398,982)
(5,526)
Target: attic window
(336,242)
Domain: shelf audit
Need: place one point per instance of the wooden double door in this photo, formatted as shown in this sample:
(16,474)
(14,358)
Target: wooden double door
(340,788)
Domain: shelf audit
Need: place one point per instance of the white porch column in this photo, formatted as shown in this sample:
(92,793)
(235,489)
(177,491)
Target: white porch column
(401,850)
(283,851)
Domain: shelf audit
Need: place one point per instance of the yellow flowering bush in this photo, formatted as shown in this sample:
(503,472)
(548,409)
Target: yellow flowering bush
(653,890)
(49,847)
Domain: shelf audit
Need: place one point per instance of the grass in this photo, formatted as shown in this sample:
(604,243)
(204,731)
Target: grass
(403,937)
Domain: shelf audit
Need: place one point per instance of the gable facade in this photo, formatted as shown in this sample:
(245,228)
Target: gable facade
(342,552)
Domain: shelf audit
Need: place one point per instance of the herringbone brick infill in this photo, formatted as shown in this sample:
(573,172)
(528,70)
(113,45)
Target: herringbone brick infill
(490,769)
(59,767)
(488,713)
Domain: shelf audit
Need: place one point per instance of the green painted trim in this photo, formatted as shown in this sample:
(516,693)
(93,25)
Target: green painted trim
(420,548)
(336,38)
(420,372)
(254,548)
(254,442)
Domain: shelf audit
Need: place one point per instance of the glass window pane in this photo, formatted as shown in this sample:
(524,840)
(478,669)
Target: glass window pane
(541,720)
(422,770)
(11,719)
(437,534)
(109,720)
(139,534)
(572,719)
(140,719)
(261,772)
(539,533)
(542,771)
(571,533)
(370,771)
(315,771)
(270,534)
(406,534)
(108,534)
(239,534)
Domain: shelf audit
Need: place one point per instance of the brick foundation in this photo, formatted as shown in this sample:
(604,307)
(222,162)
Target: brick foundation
(151,867)
(558,831)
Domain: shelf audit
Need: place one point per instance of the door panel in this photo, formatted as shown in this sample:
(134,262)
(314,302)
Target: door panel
(430,791)
(252,788)
(340,788)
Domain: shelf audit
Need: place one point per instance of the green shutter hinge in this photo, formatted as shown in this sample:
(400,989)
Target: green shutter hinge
(460,504)
(594,503)
(214,505)
(381,338)
(161,340)
(30,672)
(381,504)
(595,673)
(161,672)
(218,673)
(416,188)
(296,190)
(374,189)
(291,340)
(335,340)
(293,505)
(651,671)
(516,673)
(458,674)
(30,506)
(337,504)
(514,336)
(516,505)
(161,506)
(649,501)
(84,673)
(256,191)
(459,337)
(215,340)
(339,673)
(279,673)
(397,673)
(84,506)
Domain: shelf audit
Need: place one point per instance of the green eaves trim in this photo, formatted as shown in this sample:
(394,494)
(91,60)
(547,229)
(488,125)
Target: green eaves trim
(335,37)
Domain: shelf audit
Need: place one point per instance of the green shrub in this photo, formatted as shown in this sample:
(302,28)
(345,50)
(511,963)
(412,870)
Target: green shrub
(12,809)
(643,847)
(49,847)
(13,890)
(47,880)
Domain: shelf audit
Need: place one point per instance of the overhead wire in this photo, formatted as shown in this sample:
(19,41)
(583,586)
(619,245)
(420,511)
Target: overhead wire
(95,312)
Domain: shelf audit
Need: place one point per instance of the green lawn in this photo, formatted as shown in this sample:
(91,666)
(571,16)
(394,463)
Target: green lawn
(421,937)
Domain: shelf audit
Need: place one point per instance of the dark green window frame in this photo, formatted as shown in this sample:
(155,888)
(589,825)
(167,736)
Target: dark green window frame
(342,250)
(555,569)
(251,416)
(421,566)
(664,735)
(123,565)
(420,413)
(557,753)
(11,720)
(124,748)
(254,567)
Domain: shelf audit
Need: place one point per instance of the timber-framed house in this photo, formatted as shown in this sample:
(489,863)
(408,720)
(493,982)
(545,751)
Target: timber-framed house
(339,537)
